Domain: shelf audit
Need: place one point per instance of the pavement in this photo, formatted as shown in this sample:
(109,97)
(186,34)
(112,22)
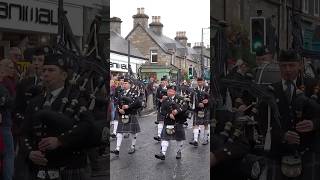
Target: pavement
(142,165)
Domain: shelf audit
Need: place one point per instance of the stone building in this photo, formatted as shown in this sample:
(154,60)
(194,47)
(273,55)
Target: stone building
(166,56)
(119,52)
(278,11)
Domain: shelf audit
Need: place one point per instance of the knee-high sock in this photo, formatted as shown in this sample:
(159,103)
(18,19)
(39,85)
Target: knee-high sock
(133,140)
(160,127)
(115,126)
(206,134)
(195,134)
(164,146)
(179,145)
(119,140)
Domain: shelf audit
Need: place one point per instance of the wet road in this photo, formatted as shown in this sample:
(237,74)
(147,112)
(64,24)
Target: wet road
(142,165)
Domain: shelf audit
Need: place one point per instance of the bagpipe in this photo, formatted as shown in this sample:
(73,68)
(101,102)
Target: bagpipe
(182,117)
(125,100)
(86,85)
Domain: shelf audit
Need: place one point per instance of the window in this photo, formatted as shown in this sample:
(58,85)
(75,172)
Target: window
(305,6)
(316,7)
(154,56)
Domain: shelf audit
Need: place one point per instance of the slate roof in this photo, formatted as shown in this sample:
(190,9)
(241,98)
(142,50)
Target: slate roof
(119,45)
(167,43)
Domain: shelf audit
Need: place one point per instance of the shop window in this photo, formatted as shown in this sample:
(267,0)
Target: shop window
(154,56)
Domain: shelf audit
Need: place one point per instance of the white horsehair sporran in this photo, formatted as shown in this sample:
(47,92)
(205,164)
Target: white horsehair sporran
(170,129)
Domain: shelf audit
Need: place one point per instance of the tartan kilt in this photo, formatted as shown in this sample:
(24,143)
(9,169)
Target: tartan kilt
(310,168)
(179,134)
(160,117)
(201,121)
(131,127)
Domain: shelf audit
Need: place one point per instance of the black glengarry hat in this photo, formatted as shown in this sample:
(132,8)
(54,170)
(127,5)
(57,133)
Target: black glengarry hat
(288,56)
(57,60)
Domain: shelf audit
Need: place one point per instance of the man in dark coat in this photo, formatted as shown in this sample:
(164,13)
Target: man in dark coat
(161,96)
(295,149)
(127,109)
(117,93)
(201,93)
(173,109)
(53,142)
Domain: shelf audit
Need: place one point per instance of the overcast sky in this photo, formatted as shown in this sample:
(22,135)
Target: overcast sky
(176,15)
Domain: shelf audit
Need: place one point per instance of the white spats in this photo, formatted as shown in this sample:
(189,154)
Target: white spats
(119,140)
(160,127)
(164,146)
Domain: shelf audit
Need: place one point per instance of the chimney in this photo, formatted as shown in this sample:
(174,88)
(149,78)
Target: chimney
(197,47)
(156,26)
(181,37)
(140,18)
(115,25)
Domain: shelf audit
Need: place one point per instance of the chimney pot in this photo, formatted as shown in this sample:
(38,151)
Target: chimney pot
(138,10)
(142,10)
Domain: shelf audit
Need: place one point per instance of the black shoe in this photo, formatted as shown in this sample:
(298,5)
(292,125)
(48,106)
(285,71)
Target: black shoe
(195,143)
(205,142)
(116,152)
(178,155)
(132,150)
(186,124)
(113,135)
(157,138)
(156,122)
(160,156)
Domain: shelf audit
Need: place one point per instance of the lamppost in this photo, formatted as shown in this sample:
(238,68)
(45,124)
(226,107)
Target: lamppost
(201,53)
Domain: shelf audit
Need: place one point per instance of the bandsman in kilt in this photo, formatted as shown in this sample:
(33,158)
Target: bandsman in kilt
(173,109)
(117,94)
(54,142)
(161,96)
(201,112)
(127,109)
(294,151)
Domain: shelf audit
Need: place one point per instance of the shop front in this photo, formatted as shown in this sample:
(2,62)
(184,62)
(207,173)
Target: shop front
(119,64)
(32,23)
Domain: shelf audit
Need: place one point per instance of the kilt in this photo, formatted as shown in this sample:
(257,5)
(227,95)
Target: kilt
(160,117)
(310,168)
(179,134)
(201,121)
(131,127)
(65,174)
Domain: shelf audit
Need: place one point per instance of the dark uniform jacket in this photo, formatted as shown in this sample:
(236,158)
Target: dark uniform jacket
(70,154)
(131,99)
(170,104)
(201,94)
(288,120)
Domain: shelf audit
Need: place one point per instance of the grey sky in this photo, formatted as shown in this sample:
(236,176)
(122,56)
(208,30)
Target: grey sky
(176,15)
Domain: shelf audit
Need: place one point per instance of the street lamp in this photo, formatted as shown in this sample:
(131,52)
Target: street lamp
(201,54)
